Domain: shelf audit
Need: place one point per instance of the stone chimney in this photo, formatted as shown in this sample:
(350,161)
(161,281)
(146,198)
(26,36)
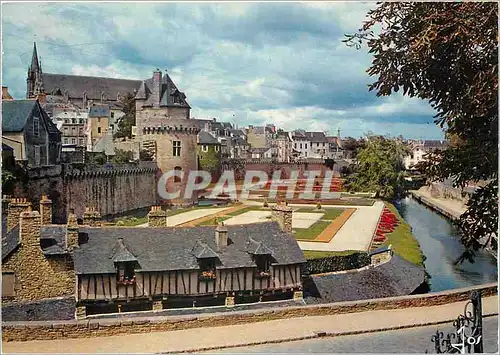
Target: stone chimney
(29,230)
(46,210)
(156,88)
(91,217)
(221,236)
(157,218)
(72,231)
(283,215)
(16,207)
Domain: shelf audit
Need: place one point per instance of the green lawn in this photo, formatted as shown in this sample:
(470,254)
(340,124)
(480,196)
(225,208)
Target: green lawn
(314,254)
(403,242)
(311,232)
(131,221)
(329,214)
(247,209)
(213,221)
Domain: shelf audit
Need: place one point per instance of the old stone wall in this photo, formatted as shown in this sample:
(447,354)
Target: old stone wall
(105,327)
(36,276)
(337,263)
(59,308)
(111,191)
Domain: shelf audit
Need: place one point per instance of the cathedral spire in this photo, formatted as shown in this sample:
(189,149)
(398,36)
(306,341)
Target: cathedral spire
(35,66)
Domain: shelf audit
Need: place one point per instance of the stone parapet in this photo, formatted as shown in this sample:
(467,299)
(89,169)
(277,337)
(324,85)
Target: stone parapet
(16,207)
(46,210)
(282,213)
(91,217)
(27,331)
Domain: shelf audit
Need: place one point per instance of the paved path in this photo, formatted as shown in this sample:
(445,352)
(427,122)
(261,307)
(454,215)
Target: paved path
(414,340)
(184,217)
(355,234)
(454,207)
(299,219)
(251,333)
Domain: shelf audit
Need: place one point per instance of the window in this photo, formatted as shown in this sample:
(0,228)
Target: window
(207,269)
(323,144)
(8,284)
(300,145)
(126,273)
(65,140)
(98,129)
(36,126)
(66,129)
(306,154)
(178,174)
(305,146)
(99,119)
(112,115)
(37,155)
(66,120)
(217,148)
(295,145)
(80,141)
(81,121)
(73,120)
(73,130)
(204,148)
(177,148)
(263,263)
(73,140)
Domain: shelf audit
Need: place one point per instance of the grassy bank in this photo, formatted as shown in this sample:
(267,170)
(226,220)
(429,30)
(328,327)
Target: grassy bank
(403,241)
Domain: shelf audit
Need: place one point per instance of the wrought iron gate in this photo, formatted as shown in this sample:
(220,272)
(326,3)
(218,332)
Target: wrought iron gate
(468,336)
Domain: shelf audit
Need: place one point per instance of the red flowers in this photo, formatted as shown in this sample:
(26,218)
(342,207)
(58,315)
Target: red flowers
(388,222)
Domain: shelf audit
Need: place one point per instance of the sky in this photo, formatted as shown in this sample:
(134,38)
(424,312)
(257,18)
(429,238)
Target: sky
(244,63)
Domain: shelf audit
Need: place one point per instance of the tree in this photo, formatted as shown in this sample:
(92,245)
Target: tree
(379,168)
(446,53)
(145,155)
(122,156)
(128,120)
(352,146)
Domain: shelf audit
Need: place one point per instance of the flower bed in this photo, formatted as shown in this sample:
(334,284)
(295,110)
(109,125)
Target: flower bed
(387,224)
(123,281)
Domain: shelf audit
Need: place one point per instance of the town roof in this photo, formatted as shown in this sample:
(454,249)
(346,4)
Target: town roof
(15,113)
(10,239)
(120,252)
(316,136)
(167,92)
(99,111)
(396,277)
(76,86)
(162,249)
(259,150)
(435,144)
(205,137)
(53,239)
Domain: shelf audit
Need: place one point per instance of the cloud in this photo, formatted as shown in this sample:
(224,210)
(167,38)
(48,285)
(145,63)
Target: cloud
(248,63)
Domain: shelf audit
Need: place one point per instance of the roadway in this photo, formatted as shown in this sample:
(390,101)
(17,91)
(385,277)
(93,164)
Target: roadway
(413,340)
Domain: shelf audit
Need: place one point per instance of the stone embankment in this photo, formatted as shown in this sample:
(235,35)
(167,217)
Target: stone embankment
(26,331)
(448,207)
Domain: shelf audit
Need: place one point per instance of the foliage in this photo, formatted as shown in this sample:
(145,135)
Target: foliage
(446,53)
(96,158)
(128,120)
(315,254)
(379,168)
(352,146)
(122,156)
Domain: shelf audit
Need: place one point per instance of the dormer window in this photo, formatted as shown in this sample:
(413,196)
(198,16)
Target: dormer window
(207,269)
(263,263)
(125,273)
(125,263)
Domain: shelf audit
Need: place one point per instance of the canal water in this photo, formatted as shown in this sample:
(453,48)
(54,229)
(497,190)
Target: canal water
(440,243)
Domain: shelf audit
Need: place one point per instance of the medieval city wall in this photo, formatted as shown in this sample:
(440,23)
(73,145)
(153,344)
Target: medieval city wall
(111,191)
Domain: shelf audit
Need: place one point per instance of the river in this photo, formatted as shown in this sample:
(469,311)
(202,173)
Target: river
(440,243)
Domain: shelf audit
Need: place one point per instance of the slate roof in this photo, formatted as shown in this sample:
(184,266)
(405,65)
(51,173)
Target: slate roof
(53,239)
(15,113)
(161,249)
(10,240)
(316,136)
(93,86)
(6,147)
(435,144)
(259,150)
(167,92)
(237,132)
(397,277)
(205,137)
(99,111)
(120,252)
(239,141)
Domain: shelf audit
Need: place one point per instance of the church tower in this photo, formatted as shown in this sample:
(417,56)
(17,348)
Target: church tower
(34,80)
